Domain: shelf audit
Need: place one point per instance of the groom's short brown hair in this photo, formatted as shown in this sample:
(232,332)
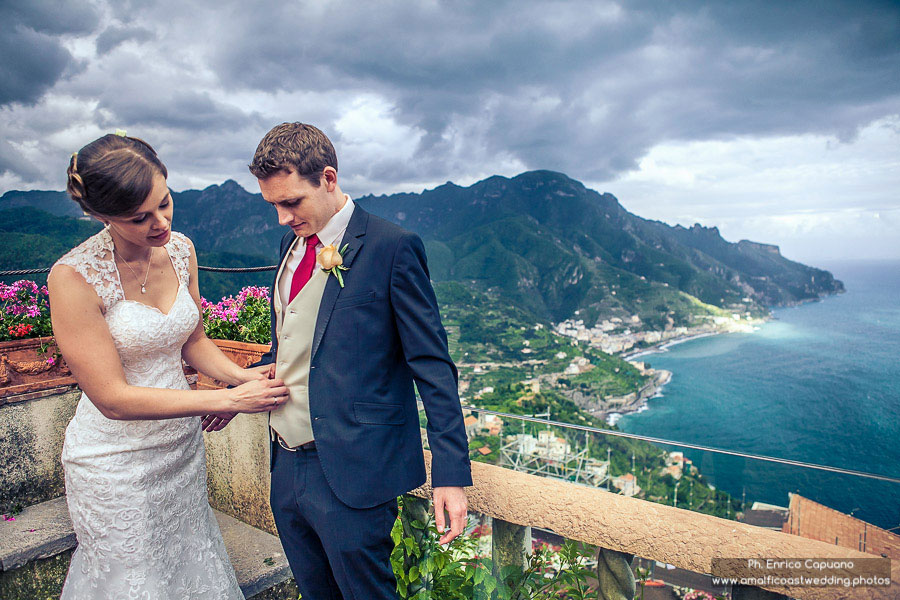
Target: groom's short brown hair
(296,147)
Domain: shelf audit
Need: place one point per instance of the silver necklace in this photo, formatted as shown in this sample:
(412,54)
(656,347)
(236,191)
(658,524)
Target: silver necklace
(146,276)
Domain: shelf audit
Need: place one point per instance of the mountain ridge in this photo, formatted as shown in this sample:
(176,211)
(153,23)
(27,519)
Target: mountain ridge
(541,240)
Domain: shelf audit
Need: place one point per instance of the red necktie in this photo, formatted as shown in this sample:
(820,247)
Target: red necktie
(305,268)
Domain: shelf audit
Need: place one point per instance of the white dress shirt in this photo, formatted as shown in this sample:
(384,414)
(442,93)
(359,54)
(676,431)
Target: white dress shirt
(331,234)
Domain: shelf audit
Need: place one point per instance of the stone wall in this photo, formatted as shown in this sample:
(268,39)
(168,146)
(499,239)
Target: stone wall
(31,438)
(237,462)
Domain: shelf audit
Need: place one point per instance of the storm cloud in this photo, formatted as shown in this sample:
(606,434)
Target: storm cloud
(418,93)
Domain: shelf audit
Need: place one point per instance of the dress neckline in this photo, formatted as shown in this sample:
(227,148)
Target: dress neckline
(110,246)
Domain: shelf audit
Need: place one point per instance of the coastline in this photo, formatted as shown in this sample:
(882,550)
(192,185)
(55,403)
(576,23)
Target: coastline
(639,404)
(663,346)
(613,409)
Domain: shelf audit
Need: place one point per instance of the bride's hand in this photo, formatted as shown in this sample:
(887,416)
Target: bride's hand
(258,395)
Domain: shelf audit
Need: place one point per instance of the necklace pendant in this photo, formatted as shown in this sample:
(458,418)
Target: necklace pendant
(143,290)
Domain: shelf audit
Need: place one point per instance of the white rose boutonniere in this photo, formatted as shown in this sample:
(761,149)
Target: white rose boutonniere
(332,261)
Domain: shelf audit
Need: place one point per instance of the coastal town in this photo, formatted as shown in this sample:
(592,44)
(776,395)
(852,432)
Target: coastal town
(618,336)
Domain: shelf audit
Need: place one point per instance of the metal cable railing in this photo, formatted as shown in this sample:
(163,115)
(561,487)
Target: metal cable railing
(656,440)
(586,428)
(17,272)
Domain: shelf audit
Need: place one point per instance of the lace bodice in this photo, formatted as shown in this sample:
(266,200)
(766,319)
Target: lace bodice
(136,489)
(148,341)
(93,260)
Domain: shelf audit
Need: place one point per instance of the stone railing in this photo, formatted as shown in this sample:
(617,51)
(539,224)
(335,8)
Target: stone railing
(630,526)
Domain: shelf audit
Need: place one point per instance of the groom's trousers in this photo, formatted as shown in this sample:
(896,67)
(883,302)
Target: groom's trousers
(336,552)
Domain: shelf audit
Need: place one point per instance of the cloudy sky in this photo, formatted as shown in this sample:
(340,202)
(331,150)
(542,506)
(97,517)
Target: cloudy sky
(776,121)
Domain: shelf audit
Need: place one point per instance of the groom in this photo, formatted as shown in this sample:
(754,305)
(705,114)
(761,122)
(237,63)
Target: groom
(347,443)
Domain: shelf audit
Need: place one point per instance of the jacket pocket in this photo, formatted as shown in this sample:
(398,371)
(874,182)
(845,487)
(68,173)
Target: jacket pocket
(356,299)
(372,413)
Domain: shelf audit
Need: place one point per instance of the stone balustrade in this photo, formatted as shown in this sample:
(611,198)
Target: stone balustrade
(685,539)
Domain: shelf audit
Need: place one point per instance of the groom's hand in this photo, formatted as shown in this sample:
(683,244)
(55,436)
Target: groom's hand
(453,500)
(267,371)
(217,421)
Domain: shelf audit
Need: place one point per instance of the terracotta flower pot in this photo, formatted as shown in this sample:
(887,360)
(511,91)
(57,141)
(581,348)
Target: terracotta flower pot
(242,354)
(23,369)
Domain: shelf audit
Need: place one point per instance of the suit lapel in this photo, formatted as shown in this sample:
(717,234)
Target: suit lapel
(354,238)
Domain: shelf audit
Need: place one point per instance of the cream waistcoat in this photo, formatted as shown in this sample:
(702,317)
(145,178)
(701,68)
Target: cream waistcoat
(295,327)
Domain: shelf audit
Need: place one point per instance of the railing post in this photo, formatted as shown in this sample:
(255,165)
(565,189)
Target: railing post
(510,546)
(748,592)
(614,575)
(415,509)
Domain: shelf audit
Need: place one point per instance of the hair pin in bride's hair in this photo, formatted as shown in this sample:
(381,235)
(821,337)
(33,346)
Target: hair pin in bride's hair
(121,132)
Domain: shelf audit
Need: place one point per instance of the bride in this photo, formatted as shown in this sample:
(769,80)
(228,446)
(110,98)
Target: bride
(125,312)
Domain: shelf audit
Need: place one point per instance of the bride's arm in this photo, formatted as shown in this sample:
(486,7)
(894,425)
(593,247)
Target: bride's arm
(201,353)
(84,339)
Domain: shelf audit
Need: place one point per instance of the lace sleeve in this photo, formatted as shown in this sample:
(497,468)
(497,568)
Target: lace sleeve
(180,251)
(93,260)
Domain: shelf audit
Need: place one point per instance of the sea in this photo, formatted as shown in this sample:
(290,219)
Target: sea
(819,383)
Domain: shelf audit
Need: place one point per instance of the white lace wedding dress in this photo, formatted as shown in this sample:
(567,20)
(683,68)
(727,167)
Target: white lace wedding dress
(137,489)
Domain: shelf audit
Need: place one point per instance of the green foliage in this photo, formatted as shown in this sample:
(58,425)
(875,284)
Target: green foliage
(550,575)
(427,570)
(480,441)
(609,376)
(32,239)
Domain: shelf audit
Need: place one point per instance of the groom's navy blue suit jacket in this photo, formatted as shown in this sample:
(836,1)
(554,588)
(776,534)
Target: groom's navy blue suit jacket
(373,338)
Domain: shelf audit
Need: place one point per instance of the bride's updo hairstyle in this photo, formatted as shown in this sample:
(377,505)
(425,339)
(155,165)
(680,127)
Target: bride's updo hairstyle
(113,175)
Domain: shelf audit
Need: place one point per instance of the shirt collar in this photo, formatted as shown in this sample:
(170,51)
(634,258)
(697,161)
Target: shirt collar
(336,226)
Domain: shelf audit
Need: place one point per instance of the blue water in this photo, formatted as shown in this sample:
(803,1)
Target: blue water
(820,383)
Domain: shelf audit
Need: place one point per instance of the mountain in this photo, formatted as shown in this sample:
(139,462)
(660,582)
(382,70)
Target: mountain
(551,245)
(33,238)
(55,203)
(219,218)
(541,241)
(228,218)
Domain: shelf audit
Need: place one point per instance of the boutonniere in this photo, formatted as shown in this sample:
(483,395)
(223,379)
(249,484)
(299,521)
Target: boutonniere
(332,261)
